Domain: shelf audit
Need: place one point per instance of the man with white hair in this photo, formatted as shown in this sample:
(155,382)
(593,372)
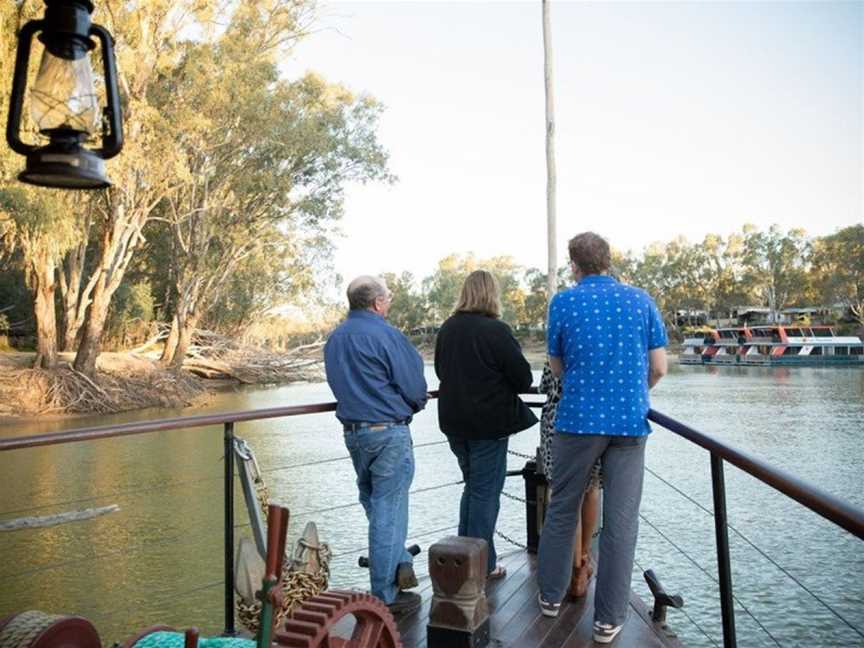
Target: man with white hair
(377,378)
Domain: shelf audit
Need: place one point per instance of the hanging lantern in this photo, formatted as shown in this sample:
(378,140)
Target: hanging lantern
(63,101)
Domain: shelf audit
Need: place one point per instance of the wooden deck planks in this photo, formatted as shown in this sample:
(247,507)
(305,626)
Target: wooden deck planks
(516,621)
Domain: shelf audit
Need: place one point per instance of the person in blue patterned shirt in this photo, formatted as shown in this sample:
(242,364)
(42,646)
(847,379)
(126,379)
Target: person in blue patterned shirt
(607,342)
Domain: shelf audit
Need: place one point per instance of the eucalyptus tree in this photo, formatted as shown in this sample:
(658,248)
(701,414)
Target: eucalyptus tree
(838,269)
(264,281)
(37,223)
(265,162)
(725,273)
(409,309)
(149,36)
(443,287)
(775,266)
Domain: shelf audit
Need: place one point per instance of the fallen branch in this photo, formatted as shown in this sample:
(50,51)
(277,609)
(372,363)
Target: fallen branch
(215,356)
(53,520)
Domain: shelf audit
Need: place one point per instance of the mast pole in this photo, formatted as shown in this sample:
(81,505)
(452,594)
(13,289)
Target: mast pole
(551,226)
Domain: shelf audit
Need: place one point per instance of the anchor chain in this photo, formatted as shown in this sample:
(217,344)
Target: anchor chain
(513,497)
(515,543)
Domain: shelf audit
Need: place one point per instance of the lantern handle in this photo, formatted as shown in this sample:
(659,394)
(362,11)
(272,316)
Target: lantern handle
(19,85)
(112,142)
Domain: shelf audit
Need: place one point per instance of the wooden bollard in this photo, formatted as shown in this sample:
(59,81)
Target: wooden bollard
(459,614)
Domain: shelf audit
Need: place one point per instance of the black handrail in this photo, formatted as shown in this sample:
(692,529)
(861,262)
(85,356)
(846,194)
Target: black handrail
(817,500)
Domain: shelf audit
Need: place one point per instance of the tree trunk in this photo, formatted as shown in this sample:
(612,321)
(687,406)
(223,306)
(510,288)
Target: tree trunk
(186,329)
(91,340)
(120,236)
(74,303)
(857,310)
(46,324)
(170,343)
(551,225)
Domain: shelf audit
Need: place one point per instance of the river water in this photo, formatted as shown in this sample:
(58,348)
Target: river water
(159,559)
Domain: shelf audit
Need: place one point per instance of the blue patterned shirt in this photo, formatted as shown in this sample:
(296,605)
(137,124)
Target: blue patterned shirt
(602,331)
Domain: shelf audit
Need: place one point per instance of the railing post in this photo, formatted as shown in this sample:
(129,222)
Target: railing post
(535,504)
(724,569)
(228,442)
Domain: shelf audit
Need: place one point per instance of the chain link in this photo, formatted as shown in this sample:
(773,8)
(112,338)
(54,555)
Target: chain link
(513,497)
(515,543)
(519,454)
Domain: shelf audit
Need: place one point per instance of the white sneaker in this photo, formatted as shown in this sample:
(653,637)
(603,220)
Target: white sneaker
(548,609)
(606,632)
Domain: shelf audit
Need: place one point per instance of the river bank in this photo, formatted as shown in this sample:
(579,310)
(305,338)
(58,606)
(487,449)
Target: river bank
(128,381)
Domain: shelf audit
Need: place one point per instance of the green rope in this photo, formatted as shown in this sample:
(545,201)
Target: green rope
(177,639)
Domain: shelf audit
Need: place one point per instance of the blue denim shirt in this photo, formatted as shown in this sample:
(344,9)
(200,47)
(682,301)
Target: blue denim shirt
(602,330)
(374,371)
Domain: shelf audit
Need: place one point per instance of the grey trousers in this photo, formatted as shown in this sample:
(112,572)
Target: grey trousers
(623,461)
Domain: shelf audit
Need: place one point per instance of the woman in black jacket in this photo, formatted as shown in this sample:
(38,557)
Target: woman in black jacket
(481,371)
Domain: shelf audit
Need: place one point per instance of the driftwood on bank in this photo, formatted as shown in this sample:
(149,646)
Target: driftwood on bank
(41,521)
(216,356)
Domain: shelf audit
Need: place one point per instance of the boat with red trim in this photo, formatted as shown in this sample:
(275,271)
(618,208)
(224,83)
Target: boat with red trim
(773,345)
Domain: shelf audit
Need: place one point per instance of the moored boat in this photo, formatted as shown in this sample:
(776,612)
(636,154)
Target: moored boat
(802,346)
(773,345)
(697,343)
(730,345)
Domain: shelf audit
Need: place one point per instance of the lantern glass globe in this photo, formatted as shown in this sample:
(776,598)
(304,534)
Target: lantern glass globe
(63,96)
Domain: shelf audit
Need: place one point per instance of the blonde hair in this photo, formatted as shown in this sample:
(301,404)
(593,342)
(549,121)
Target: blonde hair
(480,294)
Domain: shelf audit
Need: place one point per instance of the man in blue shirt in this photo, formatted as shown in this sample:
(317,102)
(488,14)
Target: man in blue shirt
(607,340)
(377,378)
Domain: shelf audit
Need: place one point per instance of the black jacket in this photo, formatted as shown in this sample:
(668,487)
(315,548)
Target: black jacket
(482,371)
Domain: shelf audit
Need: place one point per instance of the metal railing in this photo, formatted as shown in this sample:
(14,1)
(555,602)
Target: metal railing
(822,503)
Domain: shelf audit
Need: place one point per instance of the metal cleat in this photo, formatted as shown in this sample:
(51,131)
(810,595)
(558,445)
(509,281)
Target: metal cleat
(662,600)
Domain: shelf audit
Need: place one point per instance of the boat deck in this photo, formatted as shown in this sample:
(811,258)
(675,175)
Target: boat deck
(516,620)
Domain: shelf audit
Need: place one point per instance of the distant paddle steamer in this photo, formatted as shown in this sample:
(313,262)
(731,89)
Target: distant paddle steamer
(775,345)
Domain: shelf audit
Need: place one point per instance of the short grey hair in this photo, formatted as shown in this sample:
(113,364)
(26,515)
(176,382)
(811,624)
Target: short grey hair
(364,290)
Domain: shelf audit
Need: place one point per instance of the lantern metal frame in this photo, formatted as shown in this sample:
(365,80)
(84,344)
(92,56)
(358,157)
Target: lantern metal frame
(66,30)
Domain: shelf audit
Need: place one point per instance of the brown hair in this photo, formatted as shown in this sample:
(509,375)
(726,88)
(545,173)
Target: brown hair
(590,252)
(480,295)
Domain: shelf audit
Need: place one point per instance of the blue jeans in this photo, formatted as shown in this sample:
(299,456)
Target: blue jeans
(384,463)
(484,466)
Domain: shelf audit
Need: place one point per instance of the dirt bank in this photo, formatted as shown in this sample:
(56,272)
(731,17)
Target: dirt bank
(124,381)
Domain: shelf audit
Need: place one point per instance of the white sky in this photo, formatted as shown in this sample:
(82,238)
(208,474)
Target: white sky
(681,118)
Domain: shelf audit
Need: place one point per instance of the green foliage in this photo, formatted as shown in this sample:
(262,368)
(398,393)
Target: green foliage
(15,298)
(408,310)
(774,269)
(775,266)
(40,217)
(838,269)
(443,287)
(232,174)
(132,313)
